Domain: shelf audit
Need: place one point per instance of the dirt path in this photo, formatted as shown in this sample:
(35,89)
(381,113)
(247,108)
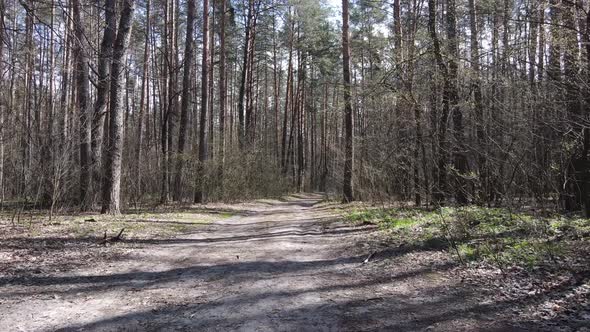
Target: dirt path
(277,266)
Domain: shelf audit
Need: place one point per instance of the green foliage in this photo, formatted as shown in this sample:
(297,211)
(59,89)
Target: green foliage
(366,216)
(404,223)
(496,235)
(469,252)
(579,227)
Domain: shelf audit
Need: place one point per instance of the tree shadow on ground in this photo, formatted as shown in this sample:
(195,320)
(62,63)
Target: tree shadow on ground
(437,308)
(254,234)
(362,302)
(238,270)
(304,201)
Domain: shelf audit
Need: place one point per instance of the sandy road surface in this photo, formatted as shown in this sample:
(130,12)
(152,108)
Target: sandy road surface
(275,266)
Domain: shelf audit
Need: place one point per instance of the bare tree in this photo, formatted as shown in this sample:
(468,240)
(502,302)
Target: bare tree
(184,108)
(199,184)
(222,89)
(82,85)
(102,91)
(114,156)
(348,128)
(459,158)
(143,103)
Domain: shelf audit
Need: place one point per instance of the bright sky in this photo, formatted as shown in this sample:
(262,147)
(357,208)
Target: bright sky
(337,12)
(337,16)
(335,3)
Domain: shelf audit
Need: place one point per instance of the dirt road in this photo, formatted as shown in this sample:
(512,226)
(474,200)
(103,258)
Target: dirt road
(275,266)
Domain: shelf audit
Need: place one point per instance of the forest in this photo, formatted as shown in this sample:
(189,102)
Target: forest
(408,128)
(116,104)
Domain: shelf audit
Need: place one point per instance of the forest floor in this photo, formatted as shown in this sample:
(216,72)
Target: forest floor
(294,264)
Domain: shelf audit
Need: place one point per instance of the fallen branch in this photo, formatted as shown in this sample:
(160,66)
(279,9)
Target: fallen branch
(369,257)
(118,237)
(113,239)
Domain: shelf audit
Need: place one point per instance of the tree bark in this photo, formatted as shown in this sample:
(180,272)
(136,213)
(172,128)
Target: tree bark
(347,191)
(441,172)
(102,90)
(243,78)
(200,174)
(478,101)
(288,93)
(186,100)
(112,179)
(459,158)
(144,103)
(573,186)
(397,33)
(585,155)
(82,84)
(211,96)
(222,92)
(3,101)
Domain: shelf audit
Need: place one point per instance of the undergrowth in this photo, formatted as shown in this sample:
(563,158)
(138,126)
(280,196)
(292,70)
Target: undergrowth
(494,235)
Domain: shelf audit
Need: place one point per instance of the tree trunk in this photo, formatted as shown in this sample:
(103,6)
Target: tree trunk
(300,120)
(112,179)
(222,92)
(102,91)
(585,157)
(348,139)
(276,89)
(172,95)
(199,180)
(532,51)
(573,186)
(210,114)
(144,103)
(478,101)
(3,101)
(165,102)
(460,159)
(288,93)
(441,172)
(397,33)
(82,84)
(243,78)
(184,107)
(419,147)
